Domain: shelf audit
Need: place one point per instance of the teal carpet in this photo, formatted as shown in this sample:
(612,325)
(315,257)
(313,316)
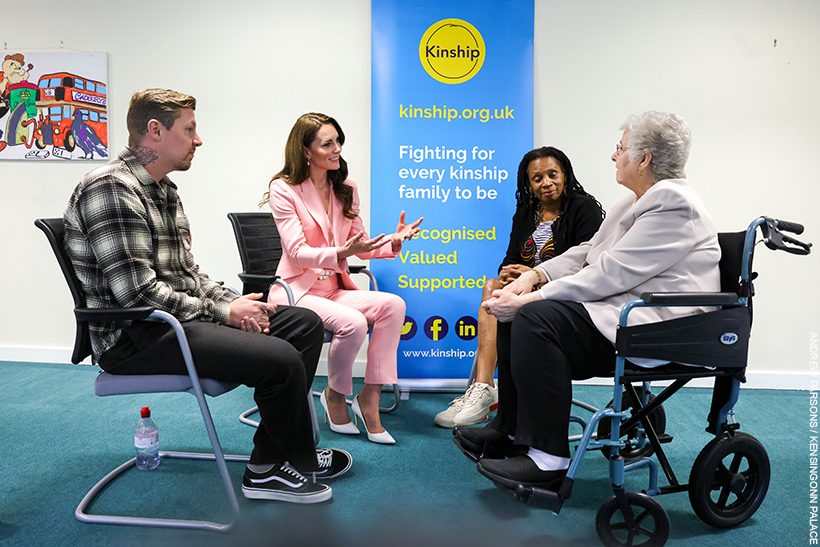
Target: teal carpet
(58,439)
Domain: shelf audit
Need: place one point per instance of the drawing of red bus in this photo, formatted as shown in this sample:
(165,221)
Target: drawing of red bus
(59,95)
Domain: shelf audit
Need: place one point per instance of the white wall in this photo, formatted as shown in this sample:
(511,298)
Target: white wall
(255,66)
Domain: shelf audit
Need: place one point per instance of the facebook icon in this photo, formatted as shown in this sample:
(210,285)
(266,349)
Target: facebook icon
(436,328)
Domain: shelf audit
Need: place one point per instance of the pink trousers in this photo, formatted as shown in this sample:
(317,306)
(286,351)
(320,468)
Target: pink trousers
(347,313)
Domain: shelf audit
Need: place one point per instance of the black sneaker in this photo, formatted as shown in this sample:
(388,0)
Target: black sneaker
(283,483)
(333,462)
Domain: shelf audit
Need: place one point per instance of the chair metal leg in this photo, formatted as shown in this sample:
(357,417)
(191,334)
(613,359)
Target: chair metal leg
(247,421)
(314,420)
(473,371)
(382,409)
(217,455)
(83,516)
(395,405)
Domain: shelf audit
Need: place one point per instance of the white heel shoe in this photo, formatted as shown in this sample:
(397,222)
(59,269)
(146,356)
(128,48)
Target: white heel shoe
(346,429)
(381,438)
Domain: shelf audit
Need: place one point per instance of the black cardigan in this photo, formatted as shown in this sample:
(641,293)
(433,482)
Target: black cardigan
(579,223)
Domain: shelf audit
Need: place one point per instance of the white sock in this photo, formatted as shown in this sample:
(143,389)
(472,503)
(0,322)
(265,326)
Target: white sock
(547,462)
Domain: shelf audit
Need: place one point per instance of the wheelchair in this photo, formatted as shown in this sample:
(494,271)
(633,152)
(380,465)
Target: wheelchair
(730,477)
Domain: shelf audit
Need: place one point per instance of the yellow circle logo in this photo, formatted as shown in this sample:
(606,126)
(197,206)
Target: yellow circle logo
(452,51)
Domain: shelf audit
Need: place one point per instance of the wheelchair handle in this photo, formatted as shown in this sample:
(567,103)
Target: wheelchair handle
(775,240)
(788,226)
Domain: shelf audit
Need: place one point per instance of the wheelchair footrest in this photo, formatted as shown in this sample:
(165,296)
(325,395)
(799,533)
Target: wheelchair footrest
(540,498)
(665,438)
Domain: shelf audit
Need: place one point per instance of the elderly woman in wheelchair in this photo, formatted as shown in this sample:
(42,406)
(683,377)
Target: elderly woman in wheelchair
(558,323)
(645,287)
(660,238)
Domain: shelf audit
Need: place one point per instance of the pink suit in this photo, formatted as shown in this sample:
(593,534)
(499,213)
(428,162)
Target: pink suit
(310,240)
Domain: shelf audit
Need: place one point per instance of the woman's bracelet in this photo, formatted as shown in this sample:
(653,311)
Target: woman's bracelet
(542,277)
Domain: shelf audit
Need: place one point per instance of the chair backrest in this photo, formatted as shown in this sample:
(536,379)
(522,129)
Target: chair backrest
(258,241)
(731,258)
(55,232)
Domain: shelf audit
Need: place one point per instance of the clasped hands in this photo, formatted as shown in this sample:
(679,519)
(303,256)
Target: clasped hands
(249,314)
(505,302)
(359,244)
(511,272)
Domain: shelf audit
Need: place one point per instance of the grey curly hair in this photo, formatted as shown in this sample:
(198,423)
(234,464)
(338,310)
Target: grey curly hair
(664,135)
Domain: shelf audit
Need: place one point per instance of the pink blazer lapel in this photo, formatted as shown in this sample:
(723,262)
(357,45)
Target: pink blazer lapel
(339,223)
(310,197)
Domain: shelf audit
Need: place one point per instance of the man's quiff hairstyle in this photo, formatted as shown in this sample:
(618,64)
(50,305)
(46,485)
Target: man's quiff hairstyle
(163,105)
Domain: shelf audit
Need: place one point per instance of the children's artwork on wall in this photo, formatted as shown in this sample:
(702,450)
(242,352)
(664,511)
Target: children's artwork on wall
(53,106)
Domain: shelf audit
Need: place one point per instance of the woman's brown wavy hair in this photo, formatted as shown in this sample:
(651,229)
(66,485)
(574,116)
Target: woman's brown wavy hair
(296,169)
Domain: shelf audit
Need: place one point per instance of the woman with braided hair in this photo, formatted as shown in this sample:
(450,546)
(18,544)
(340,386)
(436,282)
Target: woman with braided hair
(553,213)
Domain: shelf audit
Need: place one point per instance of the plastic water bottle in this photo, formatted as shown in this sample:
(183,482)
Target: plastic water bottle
(146,441)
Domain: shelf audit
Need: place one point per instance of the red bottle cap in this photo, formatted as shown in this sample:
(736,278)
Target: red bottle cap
(145,412)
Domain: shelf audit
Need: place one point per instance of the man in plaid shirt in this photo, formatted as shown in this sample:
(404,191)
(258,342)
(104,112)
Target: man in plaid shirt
(130,244)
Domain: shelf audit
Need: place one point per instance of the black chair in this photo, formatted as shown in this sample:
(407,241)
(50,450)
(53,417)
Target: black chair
(260,249)
(110,384)
(730,477)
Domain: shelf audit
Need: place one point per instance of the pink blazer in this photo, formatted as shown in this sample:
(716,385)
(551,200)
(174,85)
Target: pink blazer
(307,231)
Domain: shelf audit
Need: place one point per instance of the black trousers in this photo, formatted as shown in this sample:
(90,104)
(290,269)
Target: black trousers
(280,367)
(548,344)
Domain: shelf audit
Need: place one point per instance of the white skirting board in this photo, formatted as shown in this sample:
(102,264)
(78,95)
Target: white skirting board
(755,379)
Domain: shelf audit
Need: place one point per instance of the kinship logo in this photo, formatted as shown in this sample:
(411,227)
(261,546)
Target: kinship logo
(452,51)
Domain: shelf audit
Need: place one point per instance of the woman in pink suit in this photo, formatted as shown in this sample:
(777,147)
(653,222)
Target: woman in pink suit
(316,209)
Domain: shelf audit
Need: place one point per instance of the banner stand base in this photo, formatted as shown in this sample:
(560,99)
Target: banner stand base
(443,385)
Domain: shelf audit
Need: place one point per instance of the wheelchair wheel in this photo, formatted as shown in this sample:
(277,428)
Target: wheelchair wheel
(648,526)
(729,480)
(657,418)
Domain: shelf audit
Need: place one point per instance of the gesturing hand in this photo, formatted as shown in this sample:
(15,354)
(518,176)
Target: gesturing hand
(404,232)
(358,244)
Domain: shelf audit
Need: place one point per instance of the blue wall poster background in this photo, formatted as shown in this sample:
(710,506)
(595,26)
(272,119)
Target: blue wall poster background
(452,115)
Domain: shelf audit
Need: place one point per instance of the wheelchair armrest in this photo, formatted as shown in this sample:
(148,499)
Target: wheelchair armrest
(113,314)
(718,339)
(257,279)
(357,269)
(689,298)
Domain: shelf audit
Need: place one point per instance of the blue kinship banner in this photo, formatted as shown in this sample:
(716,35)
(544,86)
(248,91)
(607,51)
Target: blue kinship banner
(452,115)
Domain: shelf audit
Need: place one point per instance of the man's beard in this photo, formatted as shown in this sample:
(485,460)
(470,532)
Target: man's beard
(184,164)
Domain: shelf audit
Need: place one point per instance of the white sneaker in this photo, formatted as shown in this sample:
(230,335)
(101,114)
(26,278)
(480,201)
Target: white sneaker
(445,417)
(479,401)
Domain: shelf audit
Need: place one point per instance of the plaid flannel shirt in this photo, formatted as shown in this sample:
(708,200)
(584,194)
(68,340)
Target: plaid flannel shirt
(129,242)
